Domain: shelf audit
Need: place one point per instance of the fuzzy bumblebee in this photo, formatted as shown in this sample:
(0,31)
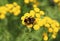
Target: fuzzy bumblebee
(29,20)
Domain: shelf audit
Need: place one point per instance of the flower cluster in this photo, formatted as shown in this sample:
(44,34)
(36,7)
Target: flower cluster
(32,18)
(11,8)
(3,11)
(52,26)
(35,19)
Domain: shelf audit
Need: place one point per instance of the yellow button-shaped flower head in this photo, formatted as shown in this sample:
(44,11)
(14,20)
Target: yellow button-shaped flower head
(50,30)
(15,4)
(42,13)
(45,37)
(47,25)
(13,8)
(37,15)
(32,13)
(26,1)
(2,16)
(53,26)
(55,23)
(16,10)
(9,6)
(36,9)
(55,29)
(41,22)
(34,6)
(36,27)
(53,36)
(27,15)
(17,13)
(3,9)
(23,17)
(48,20)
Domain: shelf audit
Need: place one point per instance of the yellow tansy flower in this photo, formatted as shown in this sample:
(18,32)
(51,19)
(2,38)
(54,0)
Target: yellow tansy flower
(15,4)
(32,13)
(13,8)
(2,16)
(54,36)
(3,11)
(26,1)
(27,15)
(23,17)
(17,12)
(45,37)
(55,29)
(36,9)
(9,6)
(40,23)
(36,27)
(50,30)
(41,13)
(37,15)
(34,5)
(47,25)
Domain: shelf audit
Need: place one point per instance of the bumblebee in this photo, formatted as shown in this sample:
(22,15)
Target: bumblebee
(29,20)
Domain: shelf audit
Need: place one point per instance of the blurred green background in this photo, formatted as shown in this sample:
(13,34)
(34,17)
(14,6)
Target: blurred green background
(11,28)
